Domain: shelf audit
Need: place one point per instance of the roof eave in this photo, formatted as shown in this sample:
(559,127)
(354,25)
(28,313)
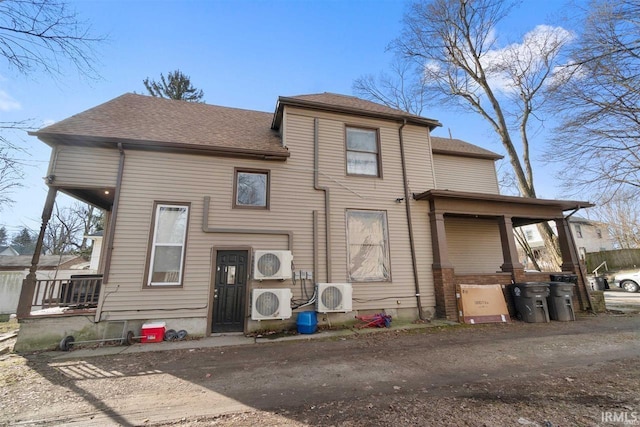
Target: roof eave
(565,205)
(490,156)
(53,139)
(294,102)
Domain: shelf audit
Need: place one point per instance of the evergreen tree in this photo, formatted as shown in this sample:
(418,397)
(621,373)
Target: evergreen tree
(175,86)
(3,236)
(24,242)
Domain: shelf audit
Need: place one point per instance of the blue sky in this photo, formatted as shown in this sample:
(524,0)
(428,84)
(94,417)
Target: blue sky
(242,53)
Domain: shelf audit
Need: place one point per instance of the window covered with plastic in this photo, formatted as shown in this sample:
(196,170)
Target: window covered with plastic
(368,246)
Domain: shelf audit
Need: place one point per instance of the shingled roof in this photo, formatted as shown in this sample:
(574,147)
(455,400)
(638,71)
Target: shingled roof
(350,105)
(147,122)
(458,147)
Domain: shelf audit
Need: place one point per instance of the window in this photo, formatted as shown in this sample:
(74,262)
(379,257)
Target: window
(529,234)
(363,152)
(251,189)
(599,233)
(578,231)
(168,244)
(368,246)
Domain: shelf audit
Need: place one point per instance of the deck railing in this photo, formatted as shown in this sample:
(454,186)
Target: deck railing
(78,292)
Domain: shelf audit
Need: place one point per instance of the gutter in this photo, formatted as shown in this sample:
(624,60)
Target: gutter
(327,199)
(409,221)
(207,229)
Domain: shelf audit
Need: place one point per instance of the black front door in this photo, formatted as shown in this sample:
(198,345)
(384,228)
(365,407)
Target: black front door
(229,291)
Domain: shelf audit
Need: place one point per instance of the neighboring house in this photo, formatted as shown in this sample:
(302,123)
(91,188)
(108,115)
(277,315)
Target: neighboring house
(14,268)
(205,205)
(589,236)
(8,251)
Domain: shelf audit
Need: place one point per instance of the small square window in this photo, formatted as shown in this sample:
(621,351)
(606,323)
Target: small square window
(363,152)
(251,189)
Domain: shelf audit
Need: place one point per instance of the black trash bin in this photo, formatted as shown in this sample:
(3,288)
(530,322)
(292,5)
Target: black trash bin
(560,301)
(564,277)
(530,299)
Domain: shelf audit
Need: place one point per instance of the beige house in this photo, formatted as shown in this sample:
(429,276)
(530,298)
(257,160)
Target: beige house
(222,219)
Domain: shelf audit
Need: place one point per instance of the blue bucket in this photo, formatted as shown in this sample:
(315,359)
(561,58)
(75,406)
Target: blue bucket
(307,322)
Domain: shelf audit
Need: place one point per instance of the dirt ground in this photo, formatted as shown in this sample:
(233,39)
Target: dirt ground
(582,373)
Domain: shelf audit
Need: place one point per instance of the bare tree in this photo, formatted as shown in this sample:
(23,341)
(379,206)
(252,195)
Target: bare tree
(621,216)
(453,46)
(67,228)
(175,86)
(598,96)
(37,35)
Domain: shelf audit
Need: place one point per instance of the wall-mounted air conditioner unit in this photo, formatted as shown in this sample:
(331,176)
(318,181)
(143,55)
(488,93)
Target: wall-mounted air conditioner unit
(271,304)
(334,297)
(272,265)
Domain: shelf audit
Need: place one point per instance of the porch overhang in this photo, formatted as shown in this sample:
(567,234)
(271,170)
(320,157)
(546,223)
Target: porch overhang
(522,210)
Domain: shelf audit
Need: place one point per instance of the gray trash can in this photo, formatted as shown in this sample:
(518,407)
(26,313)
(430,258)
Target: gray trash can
(564,277)
(560,301)
(530,299)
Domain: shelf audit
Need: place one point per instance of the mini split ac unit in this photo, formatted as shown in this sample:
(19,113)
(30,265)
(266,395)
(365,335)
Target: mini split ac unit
(333,297)
(271,304)
(272,265)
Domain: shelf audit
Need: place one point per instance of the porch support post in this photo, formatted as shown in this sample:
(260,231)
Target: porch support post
(567,248)
(443,271)
(29,283)
(571,262)
(509,249)
(439,241)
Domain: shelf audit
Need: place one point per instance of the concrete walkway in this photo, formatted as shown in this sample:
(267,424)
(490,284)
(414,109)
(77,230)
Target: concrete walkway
(226,340)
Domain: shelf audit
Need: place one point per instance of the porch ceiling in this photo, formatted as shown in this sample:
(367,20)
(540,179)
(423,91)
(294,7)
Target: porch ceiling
(99,197)
(522,210)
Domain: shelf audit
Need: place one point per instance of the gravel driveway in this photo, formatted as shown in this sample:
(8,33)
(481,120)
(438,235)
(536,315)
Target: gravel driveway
(585,372)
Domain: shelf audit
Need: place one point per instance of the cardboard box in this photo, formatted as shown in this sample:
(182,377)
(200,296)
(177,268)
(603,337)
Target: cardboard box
(153,332)
(481,304)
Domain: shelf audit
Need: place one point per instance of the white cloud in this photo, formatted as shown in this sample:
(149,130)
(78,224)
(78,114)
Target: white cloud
(7,103)
(48,122)
(537,46)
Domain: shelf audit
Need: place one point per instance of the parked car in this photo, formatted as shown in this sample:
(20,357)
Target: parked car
(627,280)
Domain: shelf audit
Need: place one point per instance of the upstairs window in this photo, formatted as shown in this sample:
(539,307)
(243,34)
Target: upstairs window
(168,244)
(251,189)
(578,231)
(363,152)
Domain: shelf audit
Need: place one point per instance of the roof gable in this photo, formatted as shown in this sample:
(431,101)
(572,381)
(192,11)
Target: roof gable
(350,105)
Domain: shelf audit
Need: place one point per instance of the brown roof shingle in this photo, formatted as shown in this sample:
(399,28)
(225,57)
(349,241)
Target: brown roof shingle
(147,121)
(460,148)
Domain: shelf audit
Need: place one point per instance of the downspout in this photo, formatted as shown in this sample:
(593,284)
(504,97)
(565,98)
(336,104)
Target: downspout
(112,229)
(581,270)
(114,215)
(409,221)
(207,229)
(327,197)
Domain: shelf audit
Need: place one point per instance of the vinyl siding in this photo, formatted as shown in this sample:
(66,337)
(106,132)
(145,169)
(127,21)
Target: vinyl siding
(465,174)
(356,192)
(156,176)
(474,245)
(85,167)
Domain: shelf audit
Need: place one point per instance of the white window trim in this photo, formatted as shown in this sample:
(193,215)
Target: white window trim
(154,245)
